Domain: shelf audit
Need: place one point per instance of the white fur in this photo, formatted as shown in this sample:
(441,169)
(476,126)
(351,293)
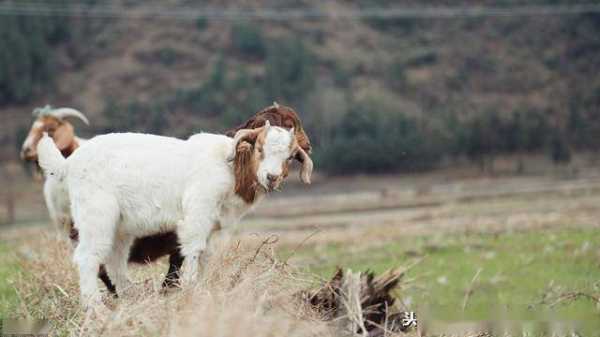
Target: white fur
(55,191)
(128,185)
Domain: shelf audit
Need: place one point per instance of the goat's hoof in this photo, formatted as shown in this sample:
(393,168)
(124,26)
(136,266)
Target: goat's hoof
(95,308)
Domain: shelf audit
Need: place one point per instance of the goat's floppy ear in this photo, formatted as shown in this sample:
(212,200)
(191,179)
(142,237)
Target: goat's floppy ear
(307,165)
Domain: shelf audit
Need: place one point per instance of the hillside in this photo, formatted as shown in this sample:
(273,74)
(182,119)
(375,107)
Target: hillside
(470,86)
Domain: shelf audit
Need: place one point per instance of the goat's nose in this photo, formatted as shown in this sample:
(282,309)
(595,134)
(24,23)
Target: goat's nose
(272,178)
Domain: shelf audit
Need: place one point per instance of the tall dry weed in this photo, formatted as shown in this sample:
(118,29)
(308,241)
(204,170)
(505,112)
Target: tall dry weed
(243,291)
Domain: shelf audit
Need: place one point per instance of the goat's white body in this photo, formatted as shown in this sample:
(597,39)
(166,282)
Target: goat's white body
(57,200)
(123,186)
(152,178)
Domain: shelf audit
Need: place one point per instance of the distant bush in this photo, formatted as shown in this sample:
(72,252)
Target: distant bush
(289,73)
(559,149)
(201,23)
(245,98)
(26,58)
(135,117)
(248,40)
(487,134)
(167,56)
(393,25)
(373,138)
(229,98)
(208,98)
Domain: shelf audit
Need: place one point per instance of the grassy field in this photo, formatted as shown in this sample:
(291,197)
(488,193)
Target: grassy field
(470,255)
(9,270)
(527,272)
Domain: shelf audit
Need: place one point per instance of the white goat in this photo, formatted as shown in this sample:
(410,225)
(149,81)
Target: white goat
(127,185)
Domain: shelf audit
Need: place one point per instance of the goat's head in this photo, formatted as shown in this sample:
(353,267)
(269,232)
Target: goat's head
(278,115)
(54,123)
(262,157)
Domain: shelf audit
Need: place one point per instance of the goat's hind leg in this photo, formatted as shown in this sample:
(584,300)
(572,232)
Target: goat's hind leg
(97,228)
(116,263)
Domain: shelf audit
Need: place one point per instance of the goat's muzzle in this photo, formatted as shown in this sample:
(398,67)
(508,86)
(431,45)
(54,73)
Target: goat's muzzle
(273,182)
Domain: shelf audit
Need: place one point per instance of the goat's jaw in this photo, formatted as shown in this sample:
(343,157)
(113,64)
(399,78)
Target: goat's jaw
(267,188)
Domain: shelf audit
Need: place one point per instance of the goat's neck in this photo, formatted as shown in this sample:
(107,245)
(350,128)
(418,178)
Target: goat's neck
(66,152)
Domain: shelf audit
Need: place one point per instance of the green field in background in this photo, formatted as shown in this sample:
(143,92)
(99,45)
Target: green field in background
(525,272)
(8,270)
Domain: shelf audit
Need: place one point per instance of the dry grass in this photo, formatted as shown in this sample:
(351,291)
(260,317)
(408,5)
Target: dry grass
(244,291)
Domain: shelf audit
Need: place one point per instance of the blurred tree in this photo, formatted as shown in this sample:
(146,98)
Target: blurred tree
(245,97)
(247,39)
(201,23)
(289,73)
(26,57)
(559,151)
(375,138)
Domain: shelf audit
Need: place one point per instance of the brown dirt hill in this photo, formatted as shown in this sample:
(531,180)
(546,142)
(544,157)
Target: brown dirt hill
(462,65)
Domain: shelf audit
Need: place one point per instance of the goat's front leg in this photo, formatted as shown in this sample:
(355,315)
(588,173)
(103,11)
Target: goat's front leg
(172,277)
(194,233)
(103,276)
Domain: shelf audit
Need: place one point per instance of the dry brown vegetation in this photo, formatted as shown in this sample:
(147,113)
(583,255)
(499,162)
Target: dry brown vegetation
(244,291)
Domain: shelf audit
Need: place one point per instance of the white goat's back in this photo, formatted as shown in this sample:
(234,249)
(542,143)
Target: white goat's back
(148,175)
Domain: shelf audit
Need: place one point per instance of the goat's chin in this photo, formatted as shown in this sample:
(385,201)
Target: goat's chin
(267,188)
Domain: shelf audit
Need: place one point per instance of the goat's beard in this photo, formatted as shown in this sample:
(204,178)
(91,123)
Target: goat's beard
(244,168)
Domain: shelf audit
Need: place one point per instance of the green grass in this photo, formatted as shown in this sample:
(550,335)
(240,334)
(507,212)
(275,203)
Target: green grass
(517,270)
(8,270)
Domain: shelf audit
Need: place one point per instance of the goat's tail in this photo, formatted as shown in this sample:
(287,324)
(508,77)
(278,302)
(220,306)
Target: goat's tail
(50,158)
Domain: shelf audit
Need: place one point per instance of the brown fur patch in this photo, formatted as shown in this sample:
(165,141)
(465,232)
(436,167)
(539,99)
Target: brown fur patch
(244,168)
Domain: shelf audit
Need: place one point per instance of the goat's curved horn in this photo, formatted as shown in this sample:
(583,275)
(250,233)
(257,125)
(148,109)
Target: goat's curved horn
(38,112)
(62,113)
(307,165)
(246,134)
